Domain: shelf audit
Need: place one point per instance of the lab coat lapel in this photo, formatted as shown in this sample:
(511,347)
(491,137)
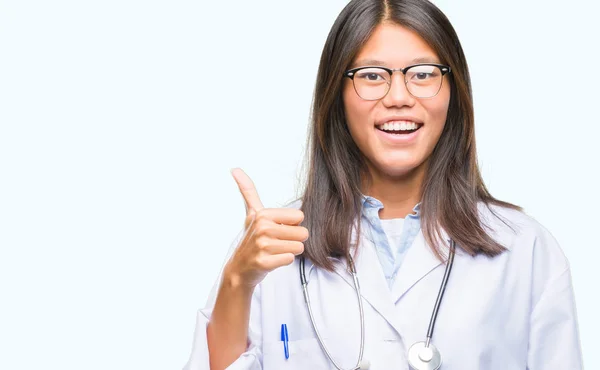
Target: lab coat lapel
(373,286)
(418,262)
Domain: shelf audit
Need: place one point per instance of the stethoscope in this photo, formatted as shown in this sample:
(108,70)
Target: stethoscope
(421,355)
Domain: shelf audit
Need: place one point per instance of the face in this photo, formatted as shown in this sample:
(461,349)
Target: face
(396,153)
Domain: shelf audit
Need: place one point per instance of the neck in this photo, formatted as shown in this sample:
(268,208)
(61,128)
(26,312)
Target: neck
(399,194)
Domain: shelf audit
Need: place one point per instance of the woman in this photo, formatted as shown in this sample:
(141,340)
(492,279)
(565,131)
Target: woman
(392,148)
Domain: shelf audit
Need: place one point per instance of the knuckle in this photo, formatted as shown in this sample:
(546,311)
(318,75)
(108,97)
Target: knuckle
(260,261)
(261,228)
(261,214)
(262,242)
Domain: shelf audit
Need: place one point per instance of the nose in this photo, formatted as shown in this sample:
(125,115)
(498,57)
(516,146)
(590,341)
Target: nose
(398,94)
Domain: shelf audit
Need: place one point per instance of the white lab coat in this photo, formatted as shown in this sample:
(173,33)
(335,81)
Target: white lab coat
(514,311)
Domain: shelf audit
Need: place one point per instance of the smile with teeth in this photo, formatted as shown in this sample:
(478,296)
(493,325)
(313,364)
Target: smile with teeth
(399,127)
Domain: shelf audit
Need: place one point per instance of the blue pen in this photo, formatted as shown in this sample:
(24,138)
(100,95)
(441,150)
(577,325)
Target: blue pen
(284,339)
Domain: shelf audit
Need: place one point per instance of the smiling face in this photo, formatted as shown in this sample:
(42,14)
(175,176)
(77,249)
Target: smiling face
(372,123)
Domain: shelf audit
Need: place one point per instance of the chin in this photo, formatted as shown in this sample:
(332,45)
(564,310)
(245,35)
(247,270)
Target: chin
(397,169)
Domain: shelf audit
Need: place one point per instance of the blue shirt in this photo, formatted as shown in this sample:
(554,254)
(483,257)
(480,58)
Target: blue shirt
(371,225)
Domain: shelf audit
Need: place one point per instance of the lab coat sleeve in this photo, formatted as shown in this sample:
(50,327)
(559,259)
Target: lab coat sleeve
(249,360)
(554,334)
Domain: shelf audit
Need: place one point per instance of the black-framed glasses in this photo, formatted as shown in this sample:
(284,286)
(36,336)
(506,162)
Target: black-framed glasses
(421,80)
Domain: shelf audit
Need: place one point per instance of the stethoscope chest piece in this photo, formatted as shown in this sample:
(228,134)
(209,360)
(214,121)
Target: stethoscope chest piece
(421,357)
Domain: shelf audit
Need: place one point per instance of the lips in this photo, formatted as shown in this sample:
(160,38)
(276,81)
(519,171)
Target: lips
(406,134)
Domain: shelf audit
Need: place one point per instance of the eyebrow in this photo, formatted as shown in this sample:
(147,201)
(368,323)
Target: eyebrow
(375,62)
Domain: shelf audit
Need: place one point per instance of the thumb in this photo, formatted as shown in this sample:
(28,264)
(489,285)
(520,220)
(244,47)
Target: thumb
(248,190)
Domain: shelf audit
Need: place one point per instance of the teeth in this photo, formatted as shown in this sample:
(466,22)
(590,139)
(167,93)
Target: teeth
(399,126)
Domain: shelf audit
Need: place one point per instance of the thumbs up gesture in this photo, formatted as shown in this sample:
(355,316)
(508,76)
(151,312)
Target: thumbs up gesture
(272,237)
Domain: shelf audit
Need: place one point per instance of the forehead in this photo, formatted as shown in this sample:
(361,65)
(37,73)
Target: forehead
(394,46)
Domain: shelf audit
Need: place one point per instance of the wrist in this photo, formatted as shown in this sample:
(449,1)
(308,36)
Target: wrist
(234,282)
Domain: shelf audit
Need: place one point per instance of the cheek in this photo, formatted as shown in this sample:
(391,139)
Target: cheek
(438,111)
(357,111)
(349,98)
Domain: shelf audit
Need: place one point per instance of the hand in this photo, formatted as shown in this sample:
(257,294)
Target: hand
(272,237)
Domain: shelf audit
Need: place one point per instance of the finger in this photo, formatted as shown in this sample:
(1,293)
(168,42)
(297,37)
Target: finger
(275,246)
(286,216)
(247,189)
(277,260)
(287,232)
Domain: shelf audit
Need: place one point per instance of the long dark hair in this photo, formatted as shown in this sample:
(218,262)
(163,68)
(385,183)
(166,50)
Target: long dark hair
(452,188)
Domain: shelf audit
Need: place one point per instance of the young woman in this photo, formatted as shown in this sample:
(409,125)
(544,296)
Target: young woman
(396,256)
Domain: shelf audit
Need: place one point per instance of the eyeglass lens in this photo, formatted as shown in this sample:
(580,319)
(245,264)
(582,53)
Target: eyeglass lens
(422,81)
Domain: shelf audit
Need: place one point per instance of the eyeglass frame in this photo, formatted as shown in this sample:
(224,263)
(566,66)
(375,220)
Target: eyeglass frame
(444,69)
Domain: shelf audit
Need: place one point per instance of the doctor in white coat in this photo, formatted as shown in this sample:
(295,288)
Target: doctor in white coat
(392,185)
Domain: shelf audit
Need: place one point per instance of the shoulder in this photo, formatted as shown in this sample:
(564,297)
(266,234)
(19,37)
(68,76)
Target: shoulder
(524,237)
(503,221)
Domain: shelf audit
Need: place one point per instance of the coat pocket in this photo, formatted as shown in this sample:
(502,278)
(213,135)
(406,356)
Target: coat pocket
(304,354)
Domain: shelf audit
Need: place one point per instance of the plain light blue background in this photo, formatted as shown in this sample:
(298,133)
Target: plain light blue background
(120,120)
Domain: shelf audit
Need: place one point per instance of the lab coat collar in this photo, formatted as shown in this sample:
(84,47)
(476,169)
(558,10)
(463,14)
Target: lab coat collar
(373,286)
(420,259)
(418,263)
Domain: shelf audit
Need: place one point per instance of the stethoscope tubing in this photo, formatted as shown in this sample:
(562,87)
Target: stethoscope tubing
(312,318)
(441,292)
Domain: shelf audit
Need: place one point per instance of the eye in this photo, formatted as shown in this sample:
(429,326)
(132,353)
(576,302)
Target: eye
(423,75)
(371,75)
